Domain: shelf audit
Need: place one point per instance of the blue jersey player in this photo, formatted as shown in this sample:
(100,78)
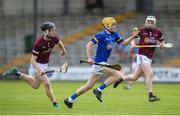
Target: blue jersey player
(105,41)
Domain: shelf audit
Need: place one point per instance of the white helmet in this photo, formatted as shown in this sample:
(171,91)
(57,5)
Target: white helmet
(150,18)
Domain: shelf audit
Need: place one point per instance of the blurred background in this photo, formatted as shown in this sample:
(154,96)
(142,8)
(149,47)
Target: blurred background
(76,22)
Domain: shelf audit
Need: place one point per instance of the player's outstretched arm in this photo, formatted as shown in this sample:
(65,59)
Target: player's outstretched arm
(128,40)
(61,46)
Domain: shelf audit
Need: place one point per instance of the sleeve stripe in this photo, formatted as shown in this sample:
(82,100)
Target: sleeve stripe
(119,40)
(35,52)
(95,39)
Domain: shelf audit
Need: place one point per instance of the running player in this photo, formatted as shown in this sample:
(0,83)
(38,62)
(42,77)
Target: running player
(39,61)
(105,41)
(149,35)
(133,56)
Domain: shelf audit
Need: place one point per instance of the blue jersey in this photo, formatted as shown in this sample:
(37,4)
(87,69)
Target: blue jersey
(105,43)
(135,50)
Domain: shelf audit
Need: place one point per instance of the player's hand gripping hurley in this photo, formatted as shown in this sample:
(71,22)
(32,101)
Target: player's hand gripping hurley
(113,66)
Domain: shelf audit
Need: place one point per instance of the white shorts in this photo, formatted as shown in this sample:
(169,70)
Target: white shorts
(32,70)
(142,59)
(97,69)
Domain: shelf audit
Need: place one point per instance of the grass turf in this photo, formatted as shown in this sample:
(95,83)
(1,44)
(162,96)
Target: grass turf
(16,97)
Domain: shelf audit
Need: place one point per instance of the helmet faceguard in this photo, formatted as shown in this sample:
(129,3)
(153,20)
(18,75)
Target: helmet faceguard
(150,22)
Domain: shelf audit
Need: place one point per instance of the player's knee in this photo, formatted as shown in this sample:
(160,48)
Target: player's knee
(35,87)
(150,75)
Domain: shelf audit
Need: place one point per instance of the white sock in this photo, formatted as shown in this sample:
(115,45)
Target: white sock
(99,89)
(70,99)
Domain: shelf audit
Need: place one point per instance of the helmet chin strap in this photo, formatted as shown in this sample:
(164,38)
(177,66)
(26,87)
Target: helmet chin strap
(46,32)
(108,29)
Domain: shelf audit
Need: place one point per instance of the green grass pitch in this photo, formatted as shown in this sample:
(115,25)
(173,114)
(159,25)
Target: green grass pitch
(16,97)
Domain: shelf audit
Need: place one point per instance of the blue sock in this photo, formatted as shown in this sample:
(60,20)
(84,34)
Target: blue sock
(72,97)
(101,87)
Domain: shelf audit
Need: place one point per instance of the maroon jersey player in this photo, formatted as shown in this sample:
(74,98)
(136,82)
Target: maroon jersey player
(39,61)
(149,35)
(42,49)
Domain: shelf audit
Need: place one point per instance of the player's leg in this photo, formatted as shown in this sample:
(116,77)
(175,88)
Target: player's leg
(134,76)
(33,82)
(131,77)
(48,89)
(89,84)
(148,73)
(133,68)
(112,75)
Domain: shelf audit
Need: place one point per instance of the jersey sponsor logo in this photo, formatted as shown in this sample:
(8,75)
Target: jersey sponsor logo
(145,34)
(150,33)
(152,40)
(47,51)
(48,44)
(109,46)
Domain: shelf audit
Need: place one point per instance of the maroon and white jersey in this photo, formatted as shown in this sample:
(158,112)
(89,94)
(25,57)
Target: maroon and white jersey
(42,49)
(153,35)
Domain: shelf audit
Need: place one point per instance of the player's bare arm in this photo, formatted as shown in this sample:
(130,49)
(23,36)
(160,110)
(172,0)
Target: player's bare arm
(133,43)
(61,46)
(162,42)
(89,51)
(128,40)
